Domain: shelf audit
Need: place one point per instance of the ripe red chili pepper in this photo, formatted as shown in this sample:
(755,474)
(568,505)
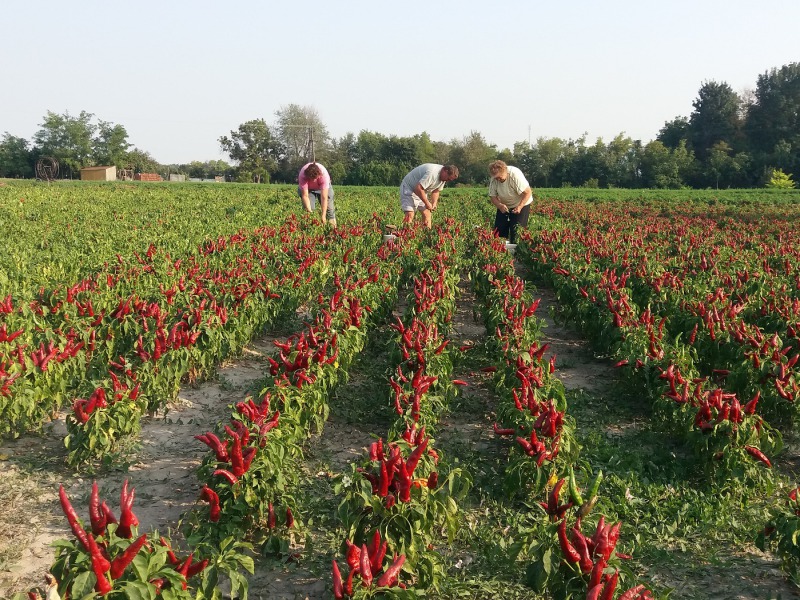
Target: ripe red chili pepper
(227,475)
(86,540)
(348,586)
(758,455)
(338,587)
(271,519)
(567,549)
(212,498)
(364,567)
(611,586)
(460,382)
(353,554)
(579,541)
(289,518)
(633,593)
(390,575)
(96,515)
(126,519)
(121,561)
(197,567)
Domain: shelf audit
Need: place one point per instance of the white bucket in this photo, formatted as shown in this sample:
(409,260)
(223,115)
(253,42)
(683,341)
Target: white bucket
(388,237)
(511,248)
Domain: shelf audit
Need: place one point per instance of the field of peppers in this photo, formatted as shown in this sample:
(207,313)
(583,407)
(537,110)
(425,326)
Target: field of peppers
(480,472)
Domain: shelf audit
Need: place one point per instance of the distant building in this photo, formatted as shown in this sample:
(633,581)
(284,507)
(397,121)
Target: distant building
(147,177)
(177,177)
(99,173)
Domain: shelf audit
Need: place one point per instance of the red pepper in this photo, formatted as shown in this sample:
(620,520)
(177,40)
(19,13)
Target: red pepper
(271,519)
(338,588)
(183,569)
(289,518)
(353,554)
(567,549)
(758,455)
(364,567)
(611,586)
(460,382)
(109,516)
(634,593)
(96,515)
(173,560)
(391,573)
(87,541)
(750,407)
(126,518)
(579,541)
(121,561)
(229,477)
(197,568)
(212,498)
(348,586)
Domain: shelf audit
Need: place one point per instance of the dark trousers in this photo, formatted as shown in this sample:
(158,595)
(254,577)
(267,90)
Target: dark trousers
(506,223)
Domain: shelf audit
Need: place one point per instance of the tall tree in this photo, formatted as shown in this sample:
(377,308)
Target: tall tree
(296,127)
(141,162)
(472,155)
(664,167)
(716,118)
(68,139)
(774,117)
(111,145)
(674,132)
(16,159)
(256,150)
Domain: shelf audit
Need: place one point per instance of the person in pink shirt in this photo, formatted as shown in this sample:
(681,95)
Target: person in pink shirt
(314,185)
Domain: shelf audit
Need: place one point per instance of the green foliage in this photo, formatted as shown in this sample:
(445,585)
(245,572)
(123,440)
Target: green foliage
(780,181)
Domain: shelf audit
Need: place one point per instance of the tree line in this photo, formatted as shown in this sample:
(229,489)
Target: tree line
(730,139)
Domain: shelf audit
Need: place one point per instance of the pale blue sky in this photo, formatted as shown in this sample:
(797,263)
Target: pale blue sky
(179,74)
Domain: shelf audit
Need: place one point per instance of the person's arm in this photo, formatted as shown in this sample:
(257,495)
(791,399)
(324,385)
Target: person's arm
(523,200)
(304,198)
(434,198)
(323,203)
(422,195)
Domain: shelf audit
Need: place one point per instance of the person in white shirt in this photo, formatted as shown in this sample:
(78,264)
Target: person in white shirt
(511,194)
(419,191)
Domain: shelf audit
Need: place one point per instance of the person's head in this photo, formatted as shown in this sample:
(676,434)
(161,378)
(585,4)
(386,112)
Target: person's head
(313,171)
(498,170)
(448,173)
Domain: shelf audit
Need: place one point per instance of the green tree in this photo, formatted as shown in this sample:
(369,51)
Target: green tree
(780,180)
(664,167)
(110,145)
(674,132)
(472,155)
(724,166)
(716,118)
(256,150)
(773,119)
(775,113)
(68,139)
(16,159)
(142,162)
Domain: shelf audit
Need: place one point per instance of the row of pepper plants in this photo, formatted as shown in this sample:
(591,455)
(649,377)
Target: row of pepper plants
(701,313)
(404,496)
(563,559)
